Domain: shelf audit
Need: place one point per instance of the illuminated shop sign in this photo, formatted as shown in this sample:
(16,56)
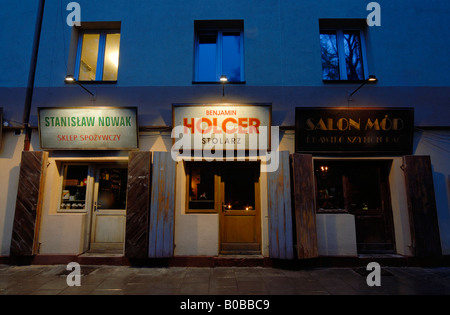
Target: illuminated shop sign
(334,130)
(88,128)
(224,127)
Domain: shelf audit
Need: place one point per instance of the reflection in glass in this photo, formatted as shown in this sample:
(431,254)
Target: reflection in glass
(329,187)
(231,53)
(330,59)
(112,188)
(89,55)
(239,188)
(365,189)
(201,188)
(353,60)
(207,57)
(349,186)
(111,63)
(73,195)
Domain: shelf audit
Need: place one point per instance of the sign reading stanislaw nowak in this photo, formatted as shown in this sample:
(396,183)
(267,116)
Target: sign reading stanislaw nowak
(88,128)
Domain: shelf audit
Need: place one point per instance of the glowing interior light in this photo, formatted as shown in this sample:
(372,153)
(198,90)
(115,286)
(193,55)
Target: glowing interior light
(113,57)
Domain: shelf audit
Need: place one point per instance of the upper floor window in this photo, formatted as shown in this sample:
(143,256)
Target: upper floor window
(97,56)
(343,52)
(219,50)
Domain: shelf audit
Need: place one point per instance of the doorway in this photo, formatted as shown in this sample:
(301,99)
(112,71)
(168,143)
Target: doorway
(240,213)
(360,188)
(108,220)
(231,190)
(99,191)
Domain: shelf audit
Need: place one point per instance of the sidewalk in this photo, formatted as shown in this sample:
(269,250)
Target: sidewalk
(124,280)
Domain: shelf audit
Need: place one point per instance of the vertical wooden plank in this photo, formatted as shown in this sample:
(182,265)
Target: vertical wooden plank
(25,226)
(422,206)
(138,204)
(279,209)
(162,207)
(304,205)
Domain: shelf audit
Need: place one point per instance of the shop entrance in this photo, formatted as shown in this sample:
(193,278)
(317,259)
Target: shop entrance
(360,188)
(231,190)
(107,232)
(98,191)
(240,223)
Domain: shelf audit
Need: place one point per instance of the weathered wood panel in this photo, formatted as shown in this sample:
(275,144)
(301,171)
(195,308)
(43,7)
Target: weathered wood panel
(304,205)
(279,209)
(138,204)
(28,203)
(422,206)
(162,207)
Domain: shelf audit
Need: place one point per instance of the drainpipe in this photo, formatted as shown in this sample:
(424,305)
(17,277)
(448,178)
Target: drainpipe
(31,75)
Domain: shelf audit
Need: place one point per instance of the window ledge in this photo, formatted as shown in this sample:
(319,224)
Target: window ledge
(343,81)
(98,82)
(218,82)
(332,211)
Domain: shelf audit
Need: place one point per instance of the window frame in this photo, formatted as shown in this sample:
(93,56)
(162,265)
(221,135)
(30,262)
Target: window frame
(341,52)
(88,190)
(344,176)
(100,54)
(216,174)
(219,54)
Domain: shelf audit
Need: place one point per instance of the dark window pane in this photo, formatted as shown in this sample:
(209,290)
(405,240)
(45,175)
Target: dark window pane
(240,188)
(207,57)
(365,188)
(231,56)
(112,188)
(329,186)
(201,188)
(330,59)
(353,56)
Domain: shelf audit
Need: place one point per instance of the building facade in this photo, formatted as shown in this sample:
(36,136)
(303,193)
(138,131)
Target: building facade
(329,137)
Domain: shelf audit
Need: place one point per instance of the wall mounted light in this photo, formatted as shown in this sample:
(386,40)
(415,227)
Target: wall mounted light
(70,79)
(371,79)
(223,79)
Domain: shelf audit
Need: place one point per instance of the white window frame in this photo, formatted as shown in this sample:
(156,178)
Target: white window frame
(100,56)
(341,52)
(219,50)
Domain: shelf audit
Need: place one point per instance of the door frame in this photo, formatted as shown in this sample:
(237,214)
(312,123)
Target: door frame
(246,248)
(92,212)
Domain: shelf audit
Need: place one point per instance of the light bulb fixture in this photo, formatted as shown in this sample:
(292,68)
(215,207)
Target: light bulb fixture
(70,79)
(370,79)
(223,79)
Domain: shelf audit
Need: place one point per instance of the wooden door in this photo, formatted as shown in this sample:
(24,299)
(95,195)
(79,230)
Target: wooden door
(422,206)
(304,207)
(240,213)
(109,210)
(369,201)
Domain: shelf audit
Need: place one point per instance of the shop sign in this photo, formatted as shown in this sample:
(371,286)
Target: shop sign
(361,131)
(222,127)
(88,128)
